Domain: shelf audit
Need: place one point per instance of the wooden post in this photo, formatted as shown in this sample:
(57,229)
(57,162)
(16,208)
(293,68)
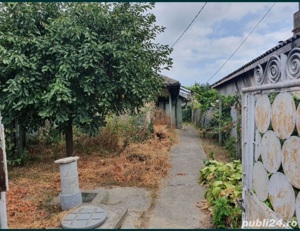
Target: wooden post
(170,106)
(192,114)
(220,120)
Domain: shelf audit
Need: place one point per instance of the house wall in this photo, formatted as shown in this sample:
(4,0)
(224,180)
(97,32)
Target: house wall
(234,86)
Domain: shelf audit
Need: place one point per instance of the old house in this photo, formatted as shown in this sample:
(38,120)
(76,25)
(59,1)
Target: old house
(173,97)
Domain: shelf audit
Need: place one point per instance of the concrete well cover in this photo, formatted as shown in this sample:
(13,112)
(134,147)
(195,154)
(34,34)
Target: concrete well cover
(84,217)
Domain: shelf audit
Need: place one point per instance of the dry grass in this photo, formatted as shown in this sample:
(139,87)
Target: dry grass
(31,187)
(214,151)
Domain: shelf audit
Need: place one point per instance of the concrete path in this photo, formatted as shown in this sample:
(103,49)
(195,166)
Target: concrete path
(176,206)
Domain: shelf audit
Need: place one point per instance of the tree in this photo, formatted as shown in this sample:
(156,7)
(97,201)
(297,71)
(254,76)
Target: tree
(204,95)
(74,63)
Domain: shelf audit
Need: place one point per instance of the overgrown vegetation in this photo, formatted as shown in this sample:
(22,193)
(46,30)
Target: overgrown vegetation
(211,121)
(75,63)
(222,178)
(224,182)
(129,151)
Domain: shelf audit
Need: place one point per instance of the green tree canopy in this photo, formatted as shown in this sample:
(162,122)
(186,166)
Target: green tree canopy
(74,63)
(204,95)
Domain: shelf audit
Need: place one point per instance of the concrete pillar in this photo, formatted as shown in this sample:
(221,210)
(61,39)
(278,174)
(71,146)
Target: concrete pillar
(70,195)
(3,179)
(3,214)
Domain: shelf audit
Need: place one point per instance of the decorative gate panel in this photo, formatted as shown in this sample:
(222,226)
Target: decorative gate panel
(271,144)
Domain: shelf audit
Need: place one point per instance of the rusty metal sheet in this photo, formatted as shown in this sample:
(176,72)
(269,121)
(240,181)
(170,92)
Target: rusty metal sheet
(298,208)
(291,160)
(270,150)
(257,144)
(282,196)
(298,119)
(258,211)
(262,113)
(260,181)
(283,115)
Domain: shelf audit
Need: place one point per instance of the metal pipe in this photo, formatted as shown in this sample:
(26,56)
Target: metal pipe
(286,84)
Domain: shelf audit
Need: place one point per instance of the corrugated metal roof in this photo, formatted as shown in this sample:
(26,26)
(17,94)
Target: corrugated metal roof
(170,82)
(230,76)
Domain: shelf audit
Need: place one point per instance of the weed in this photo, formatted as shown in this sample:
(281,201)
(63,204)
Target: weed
(154,195)
(211,155)
(116,156)
(230,145)
(221,213)
(224,182)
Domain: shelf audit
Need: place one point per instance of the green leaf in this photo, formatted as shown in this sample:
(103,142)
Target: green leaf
(215,192)
(217,183)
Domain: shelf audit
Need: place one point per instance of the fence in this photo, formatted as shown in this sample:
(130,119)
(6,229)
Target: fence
(210,121)
(271,144)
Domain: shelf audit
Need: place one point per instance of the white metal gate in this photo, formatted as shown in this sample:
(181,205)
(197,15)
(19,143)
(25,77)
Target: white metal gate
(271,144)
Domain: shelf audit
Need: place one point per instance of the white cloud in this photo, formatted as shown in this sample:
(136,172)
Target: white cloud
(217,32)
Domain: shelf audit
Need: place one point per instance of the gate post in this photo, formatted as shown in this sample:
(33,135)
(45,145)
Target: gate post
(3,179)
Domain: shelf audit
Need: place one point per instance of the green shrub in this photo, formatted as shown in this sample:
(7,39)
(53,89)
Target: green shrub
(224,181)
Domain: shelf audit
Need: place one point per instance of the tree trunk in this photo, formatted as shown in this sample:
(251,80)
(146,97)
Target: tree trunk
(69,139)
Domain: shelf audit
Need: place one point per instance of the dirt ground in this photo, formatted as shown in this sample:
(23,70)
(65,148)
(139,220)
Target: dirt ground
(145,164)
(32,186)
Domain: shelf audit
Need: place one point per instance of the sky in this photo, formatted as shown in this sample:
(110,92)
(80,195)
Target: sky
(217,32)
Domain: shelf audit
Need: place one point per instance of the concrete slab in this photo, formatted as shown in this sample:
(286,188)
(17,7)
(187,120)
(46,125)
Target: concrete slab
(101,197)
(116,216)
(137,200)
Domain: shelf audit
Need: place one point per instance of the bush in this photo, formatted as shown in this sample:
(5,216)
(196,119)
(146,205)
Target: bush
(224,181)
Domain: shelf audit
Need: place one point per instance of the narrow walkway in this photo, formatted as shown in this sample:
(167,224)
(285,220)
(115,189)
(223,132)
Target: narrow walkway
(176,206)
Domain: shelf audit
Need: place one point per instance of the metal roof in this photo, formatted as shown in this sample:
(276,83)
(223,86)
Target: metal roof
(232,75)
(170,82)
